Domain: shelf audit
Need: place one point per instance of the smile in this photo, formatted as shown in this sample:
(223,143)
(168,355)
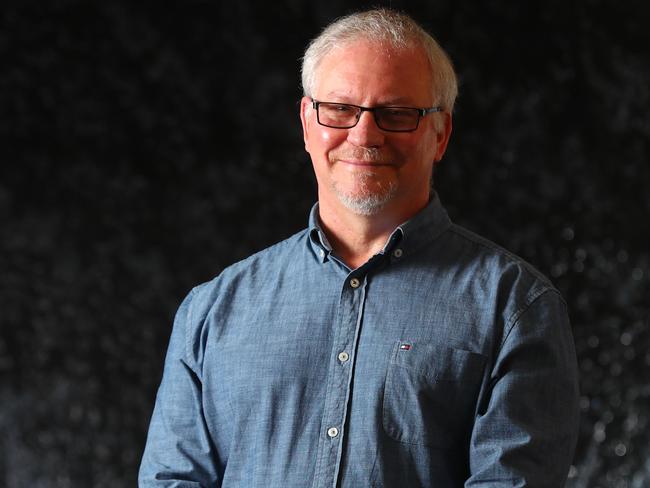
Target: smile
(362,163)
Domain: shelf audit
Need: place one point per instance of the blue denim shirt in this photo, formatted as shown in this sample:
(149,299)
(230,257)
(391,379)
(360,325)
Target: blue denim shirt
(444,361)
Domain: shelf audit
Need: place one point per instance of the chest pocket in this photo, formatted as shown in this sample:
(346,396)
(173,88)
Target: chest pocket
(430,393)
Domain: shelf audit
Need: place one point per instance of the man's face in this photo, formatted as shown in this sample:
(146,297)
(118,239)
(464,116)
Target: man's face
(365,168)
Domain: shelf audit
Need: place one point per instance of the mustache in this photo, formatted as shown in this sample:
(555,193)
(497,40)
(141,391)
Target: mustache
(365,154)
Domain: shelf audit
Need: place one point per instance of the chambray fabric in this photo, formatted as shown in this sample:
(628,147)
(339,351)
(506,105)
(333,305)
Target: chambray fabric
(458,370)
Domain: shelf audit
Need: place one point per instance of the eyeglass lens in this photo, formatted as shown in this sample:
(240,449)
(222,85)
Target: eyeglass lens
(342,116)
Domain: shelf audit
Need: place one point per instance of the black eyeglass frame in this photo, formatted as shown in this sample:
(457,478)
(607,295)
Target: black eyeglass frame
(421,113)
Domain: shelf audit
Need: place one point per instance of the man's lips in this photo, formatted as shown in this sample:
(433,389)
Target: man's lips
(360,162)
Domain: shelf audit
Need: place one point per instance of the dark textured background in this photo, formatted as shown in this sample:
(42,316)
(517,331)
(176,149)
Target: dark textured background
(147,145)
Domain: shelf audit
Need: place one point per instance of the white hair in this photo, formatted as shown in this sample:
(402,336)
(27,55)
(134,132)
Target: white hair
(384,26)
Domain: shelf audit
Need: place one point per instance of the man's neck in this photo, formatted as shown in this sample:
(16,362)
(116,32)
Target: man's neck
(355,238)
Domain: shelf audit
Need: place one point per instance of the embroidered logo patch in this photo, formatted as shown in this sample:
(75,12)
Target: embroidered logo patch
(405,347)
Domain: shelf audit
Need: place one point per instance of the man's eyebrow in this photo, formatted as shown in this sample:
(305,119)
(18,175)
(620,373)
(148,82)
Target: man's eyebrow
(399,102)
(342,97)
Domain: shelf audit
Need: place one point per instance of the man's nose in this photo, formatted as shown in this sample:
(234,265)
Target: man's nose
(366,133)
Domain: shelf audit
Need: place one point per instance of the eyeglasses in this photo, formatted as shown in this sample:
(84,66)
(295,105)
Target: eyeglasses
(391,119)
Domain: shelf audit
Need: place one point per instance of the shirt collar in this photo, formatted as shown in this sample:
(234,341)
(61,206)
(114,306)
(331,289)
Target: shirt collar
(423,228)
(318,239)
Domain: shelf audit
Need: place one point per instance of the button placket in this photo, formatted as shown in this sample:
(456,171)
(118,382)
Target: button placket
(339,380)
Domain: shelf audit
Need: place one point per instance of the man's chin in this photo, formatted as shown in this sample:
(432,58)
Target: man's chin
(366,205)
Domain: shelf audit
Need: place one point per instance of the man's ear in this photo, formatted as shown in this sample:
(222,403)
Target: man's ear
(305,107)
(442,136)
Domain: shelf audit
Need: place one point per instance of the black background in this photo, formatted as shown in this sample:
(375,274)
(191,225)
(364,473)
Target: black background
(147,145)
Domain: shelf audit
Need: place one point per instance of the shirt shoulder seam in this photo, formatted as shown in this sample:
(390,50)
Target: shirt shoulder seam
(188,325)
(513,320)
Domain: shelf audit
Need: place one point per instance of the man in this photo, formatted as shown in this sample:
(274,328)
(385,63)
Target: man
(383,346)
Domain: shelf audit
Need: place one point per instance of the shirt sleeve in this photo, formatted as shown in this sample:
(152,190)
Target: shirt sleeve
(179,451)
(527,424)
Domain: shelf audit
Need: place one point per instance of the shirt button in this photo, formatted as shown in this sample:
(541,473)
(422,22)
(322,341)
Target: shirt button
(354,283)
(398,253)
(343,356)
(332,432)
(321,253)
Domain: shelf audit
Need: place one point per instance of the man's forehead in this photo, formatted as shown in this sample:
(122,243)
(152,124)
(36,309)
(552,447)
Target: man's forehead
(395,75)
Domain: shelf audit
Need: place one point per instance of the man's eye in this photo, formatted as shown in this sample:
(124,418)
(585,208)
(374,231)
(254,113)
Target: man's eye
(342,108)
(397,113)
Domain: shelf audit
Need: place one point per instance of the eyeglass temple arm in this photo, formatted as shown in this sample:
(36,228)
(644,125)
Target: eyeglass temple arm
(425,111)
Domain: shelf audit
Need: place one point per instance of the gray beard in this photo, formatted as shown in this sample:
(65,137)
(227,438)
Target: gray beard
(365,202)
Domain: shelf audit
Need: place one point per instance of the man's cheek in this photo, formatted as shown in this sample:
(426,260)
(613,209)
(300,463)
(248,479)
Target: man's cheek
(326,137)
